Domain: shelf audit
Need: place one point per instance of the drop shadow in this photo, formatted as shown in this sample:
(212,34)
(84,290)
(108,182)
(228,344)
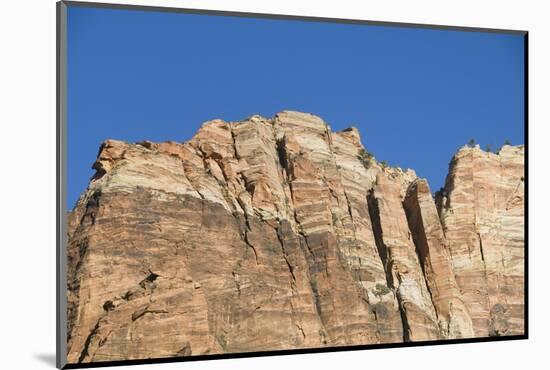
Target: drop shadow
(47,358)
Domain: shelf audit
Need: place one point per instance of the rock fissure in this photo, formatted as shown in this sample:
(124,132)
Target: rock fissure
(88,341)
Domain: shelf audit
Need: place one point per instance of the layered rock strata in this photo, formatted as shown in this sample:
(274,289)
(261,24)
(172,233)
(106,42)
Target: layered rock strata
(270,234)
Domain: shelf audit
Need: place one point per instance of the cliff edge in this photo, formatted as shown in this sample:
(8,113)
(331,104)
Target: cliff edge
(270,234)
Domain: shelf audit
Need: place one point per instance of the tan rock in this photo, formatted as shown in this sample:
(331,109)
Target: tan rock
(270,234)
(482,212)
(404,273)
(454,319)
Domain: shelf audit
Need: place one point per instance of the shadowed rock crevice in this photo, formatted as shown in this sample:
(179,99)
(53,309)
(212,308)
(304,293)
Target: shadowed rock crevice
(377,230)
(453,318)
(87,343)
(374,212)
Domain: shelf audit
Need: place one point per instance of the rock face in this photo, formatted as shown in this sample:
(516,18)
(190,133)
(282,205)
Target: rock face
(271,234)
(482,213)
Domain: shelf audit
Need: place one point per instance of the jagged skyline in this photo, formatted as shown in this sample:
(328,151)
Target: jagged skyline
(273,234)
(416,95)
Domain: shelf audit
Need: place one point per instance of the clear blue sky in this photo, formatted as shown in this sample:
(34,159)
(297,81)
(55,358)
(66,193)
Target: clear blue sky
(416,95)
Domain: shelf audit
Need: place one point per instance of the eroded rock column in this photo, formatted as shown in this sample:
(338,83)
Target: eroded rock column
(453,317)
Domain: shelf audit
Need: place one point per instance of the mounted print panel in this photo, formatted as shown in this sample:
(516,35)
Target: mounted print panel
(240,184)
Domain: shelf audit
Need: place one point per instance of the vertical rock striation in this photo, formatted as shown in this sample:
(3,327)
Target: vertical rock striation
(396,245)
(454,320)
(482,212)
(270,234)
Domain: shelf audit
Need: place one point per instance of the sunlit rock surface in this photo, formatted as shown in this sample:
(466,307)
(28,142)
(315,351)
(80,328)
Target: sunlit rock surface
(270,234)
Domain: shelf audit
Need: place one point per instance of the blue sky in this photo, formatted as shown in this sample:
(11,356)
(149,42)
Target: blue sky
(416,95)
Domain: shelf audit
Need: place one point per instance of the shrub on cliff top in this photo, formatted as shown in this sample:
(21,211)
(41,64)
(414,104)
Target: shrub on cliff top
(365,157)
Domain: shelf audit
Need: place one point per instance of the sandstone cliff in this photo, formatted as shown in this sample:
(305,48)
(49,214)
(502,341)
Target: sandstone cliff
(270,234)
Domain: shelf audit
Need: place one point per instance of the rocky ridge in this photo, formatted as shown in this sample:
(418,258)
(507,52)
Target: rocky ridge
(270,234)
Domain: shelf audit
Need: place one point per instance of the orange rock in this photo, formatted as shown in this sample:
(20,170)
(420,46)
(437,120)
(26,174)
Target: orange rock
(270,234)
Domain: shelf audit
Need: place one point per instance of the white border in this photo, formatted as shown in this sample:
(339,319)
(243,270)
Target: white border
(27,184)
